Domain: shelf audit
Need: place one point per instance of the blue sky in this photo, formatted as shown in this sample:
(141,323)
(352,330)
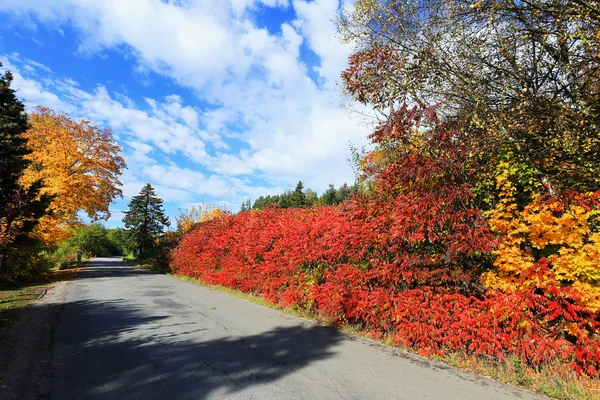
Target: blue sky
(212,101)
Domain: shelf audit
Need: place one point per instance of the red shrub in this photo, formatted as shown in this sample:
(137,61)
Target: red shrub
(404,261)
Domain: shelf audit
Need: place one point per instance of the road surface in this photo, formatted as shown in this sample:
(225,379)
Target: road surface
(126,333)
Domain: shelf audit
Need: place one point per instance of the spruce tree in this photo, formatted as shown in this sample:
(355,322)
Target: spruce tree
(20,208)
(297,197)
(13,146)
(330,197)
(145,219)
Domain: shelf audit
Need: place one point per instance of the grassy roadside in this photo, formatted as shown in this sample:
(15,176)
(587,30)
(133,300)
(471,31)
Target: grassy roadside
(554,381)
(14,297)
(142,262)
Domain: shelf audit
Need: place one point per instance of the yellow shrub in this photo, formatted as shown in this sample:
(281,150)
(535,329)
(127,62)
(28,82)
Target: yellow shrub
(546,230)
(188,218)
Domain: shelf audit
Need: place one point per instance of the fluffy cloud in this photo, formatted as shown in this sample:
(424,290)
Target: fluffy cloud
(260,124)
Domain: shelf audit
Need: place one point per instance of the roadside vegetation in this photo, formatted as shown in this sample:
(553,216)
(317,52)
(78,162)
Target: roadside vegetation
(472,236)
(472,232)
(15,296)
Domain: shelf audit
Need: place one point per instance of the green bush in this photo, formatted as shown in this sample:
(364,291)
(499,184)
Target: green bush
(25,261)
(121,241)
(91,240)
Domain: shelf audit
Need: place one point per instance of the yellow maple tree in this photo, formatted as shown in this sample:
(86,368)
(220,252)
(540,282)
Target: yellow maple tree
(80,166)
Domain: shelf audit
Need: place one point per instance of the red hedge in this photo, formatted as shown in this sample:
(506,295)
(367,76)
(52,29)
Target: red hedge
(313,259)
(403,261)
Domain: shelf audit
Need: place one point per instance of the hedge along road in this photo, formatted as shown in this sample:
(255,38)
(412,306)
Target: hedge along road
(126,333)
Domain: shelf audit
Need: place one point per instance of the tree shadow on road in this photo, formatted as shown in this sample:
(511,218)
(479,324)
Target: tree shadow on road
(129,353)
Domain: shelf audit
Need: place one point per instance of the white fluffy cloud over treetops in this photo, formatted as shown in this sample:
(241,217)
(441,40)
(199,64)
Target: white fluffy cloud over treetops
(262,111)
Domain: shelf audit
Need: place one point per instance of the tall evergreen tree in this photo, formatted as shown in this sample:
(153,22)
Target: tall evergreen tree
(146,218)
(20,209)
(329,198)
(13,146)
(246,205)
(297,197)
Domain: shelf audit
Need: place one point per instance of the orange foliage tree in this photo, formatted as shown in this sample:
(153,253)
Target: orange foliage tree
(80,165)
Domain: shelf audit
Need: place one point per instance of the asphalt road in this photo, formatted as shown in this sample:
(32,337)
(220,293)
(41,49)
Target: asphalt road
(125,333)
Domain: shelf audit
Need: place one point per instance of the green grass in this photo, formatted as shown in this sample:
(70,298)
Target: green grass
(71,265)
(11,300)
(144,262)
(16,296)
(554,381)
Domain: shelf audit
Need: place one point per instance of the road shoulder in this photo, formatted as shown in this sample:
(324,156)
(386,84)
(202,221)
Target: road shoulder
(26,349)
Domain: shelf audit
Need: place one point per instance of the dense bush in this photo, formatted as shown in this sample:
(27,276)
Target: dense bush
(25,261)
(406,260)
(290,257)
(91,240)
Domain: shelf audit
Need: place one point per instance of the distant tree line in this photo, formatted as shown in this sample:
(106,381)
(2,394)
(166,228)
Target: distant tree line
(301,198)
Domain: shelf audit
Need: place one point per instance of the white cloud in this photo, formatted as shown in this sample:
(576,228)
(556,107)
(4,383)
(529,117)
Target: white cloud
(255,91)
(315,20)
(31,91)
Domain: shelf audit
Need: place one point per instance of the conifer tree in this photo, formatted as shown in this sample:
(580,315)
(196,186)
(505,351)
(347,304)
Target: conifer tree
(20,209)
(297,197)
(329,198)
(145,218)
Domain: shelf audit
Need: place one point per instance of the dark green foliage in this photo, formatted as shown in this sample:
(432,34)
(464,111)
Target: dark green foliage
(20,208)
(333,196)
(145,219)
(329,198)
(297,198)
(121,240)
(13,146)
(246,205)
(264,201)
(285,200)
(300,198)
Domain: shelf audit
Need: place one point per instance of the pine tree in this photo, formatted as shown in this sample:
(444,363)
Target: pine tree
(13,146)
(297,197)
(246,205)
(20,209)
(145,219)
(329,198)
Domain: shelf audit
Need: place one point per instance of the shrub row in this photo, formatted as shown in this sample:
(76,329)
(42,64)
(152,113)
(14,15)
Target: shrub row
(352,268)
